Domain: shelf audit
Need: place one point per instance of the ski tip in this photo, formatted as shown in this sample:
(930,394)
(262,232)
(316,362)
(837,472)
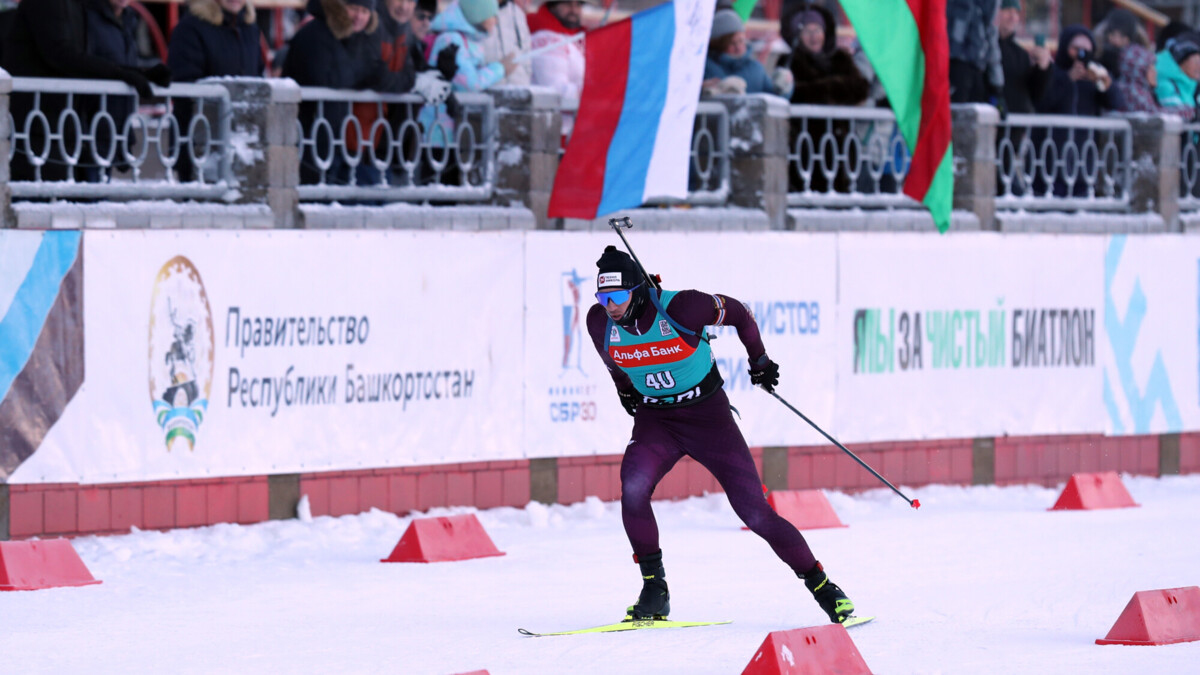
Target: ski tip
(852,621)
(916,503)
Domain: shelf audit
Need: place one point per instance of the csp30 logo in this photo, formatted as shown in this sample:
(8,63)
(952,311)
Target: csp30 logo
(181,352)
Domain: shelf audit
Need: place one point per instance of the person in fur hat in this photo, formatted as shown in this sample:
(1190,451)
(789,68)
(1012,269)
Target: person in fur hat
(216,38)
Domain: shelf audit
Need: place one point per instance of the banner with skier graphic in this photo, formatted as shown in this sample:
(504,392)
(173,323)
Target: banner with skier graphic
(572,406)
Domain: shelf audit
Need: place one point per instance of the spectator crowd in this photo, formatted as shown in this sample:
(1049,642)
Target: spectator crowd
(419,46)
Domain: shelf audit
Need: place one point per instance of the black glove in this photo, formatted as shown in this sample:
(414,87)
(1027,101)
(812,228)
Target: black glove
(453,107)
(629,399)
(159,74)
(995,98)
(765,373)
(447,61)
(138,81)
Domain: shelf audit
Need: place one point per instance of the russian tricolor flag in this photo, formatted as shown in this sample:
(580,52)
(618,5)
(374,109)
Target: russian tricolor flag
(633,133)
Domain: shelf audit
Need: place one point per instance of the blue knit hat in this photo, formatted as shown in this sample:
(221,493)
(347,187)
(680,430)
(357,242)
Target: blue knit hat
(725,22)
(478,11)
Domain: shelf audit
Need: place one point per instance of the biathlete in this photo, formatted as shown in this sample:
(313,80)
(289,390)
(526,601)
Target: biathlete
(657,351)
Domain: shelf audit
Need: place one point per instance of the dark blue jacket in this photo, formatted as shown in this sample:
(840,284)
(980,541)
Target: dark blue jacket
(745,67)
(1064,97)
(115,39)
(110,37)
(210,42)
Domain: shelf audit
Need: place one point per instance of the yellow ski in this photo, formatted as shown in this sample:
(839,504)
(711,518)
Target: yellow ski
(627,625)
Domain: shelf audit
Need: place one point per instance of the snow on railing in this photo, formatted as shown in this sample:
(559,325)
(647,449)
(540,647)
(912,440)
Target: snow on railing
(841,156)
(368,146)
(1060,162)
(96,139)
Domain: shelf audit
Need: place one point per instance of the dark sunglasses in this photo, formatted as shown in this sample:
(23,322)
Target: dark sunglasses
(616,297)
(423,16)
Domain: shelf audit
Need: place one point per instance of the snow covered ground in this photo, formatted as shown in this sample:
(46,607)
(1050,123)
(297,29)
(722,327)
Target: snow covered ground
(980,580)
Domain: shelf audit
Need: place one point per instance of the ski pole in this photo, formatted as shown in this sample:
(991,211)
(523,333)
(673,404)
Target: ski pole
(915,503)
(617,224)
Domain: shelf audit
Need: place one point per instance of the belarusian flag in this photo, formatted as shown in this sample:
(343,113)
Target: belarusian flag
(906,43)
(744,8)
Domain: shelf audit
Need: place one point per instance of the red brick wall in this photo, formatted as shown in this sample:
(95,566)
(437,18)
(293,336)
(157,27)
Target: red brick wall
(71,509)
(420,488)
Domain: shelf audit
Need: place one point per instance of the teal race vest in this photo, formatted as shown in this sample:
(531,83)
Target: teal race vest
(664,369)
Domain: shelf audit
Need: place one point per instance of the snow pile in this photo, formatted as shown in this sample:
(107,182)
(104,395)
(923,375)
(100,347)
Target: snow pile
(979,580)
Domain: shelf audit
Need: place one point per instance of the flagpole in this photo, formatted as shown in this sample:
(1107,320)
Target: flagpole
(607,12)
(550,47)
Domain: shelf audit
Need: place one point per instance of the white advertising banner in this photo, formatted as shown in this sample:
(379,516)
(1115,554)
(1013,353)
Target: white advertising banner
(787,279)
(970,335)
(230,353)
(1151,350)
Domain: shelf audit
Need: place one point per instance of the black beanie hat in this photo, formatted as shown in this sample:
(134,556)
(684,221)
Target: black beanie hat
(1183,46)
(617,269)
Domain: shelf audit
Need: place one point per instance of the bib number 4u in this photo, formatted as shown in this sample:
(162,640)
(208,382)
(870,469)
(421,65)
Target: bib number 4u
(660,380)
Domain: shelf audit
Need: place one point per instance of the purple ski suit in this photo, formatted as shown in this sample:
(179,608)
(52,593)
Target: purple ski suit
(703,430)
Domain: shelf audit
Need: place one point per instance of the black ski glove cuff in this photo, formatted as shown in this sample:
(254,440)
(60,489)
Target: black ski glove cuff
(765,373)
(629,400)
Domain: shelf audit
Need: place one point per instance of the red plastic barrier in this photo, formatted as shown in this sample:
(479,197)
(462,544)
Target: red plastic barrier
(443,539)
(33,565)
(476,672)
(806,509)
(1094,491)
(1160,617)
(808,651)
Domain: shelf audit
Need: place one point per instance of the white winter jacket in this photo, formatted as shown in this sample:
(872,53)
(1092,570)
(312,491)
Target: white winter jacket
(510,36)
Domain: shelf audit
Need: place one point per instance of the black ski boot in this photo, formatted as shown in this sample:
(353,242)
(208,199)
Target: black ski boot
(654,601)
(831,598)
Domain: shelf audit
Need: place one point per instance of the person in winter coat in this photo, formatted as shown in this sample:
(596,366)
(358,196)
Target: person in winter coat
(338,50)
(1026,73)
(8,9)
(976,75)
(48,38)
(824,75)
(1136,82)
(561,68)
(465,24)
(1178,67)
(111,35)
(1080,85)
(727,58)
(822,72)
(216,38)
(397,39)
(1119,29)
(421,25)
(510,38)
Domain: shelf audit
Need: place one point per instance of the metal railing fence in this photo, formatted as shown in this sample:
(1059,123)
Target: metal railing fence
(96,139)
(368,146)
(1059,162)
